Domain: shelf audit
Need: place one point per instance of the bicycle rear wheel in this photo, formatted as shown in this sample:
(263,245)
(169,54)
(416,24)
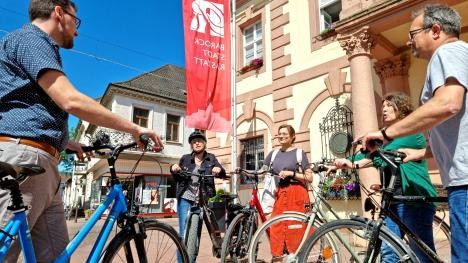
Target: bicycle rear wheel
(160,245)
(351,240)
(294,225)
(237,239)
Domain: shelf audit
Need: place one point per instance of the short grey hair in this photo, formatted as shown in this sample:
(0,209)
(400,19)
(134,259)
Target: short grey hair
(445,16)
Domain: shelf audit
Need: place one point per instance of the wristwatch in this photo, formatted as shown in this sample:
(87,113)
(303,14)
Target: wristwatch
(384,134)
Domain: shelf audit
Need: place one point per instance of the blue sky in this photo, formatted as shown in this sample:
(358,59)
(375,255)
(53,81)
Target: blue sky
(117,40)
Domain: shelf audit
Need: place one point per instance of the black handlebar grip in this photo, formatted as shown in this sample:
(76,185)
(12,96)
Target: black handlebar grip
(144,139)
(372,143)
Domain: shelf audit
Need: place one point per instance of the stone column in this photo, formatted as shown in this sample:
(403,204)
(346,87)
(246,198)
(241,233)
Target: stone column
(358,47)
(393,74)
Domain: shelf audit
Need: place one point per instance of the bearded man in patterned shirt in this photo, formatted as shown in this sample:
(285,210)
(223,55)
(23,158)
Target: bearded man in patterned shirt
(35,99)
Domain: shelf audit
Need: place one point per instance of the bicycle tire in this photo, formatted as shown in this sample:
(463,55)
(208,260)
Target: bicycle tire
(161,244)
(260,250)
(442,241)
(192,240)
(353,233)
(237,239)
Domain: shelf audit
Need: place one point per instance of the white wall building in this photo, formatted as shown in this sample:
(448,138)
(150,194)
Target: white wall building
(155,100)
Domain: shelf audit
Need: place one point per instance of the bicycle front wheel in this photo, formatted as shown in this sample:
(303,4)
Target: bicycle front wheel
(237,239)
(351,239)
(192,238)
(280,237)
(161,244)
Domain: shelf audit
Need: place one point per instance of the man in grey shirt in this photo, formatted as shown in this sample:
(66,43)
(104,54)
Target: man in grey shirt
(434,36)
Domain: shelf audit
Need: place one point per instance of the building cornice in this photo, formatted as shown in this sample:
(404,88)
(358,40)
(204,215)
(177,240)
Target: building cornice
(385,15)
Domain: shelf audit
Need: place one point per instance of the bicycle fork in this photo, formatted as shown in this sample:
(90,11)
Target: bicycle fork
(136,227)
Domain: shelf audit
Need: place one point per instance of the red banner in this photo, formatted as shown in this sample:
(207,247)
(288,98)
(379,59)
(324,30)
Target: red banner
(208,60)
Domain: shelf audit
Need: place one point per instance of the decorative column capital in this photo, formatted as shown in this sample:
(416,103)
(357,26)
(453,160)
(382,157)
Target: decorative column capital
(357,43)
(391,67)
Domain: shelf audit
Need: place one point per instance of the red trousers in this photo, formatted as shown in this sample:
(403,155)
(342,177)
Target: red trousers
(286,235)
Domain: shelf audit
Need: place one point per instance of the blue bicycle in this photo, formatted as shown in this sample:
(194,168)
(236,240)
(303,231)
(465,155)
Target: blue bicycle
(138,240)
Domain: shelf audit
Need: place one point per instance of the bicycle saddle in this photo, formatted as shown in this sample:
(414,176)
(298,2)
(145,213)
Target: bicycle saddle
(22,169)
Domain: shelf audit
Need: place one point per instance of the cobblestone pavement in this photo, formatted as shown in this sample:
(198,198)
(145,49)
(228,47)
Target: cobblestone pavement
(81,254)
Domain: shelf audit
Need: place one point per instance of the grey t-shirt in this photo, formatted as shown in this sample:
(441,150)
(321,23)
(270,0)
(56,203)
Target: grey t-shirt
(449,140)
(286,161)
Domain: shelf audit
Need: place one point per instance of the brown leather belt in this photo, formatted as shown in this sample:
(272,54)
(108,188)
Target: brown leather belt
(39,145)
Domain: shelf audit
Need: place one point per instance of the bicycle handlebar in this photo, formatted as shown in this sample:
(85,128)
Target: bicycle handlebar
(441,199)
(186,173)
(100,145)
(249,172)
(379,144)
(394,153)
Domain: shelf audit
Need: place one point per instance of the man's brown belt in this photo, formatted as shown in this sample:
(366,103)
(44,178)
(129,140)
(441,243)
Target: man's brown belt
(39,145)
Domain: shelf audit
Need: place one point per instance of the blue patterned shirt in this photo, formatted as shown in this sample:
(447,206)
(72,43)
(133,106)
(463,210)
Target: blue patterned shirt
(26,111)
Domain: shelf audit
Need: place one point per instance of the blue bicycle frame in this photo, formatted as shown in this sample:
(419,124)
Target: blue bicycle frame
(18,225)
(119,207)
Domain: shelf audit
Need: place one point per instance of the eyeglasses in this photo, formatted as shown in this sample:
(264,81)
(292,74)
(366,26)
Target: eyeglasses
(414,32)
(77,20)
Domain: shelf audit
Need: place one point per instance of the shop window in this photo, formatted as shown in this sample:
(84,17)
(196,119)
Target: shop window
(329,13)
(140,117)
(150,192)
(253,43)
(172,128)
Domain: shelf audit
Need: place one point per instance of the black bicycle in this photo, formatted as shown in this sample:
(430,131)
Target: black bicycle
(243,224)
(359,239)
(200,212)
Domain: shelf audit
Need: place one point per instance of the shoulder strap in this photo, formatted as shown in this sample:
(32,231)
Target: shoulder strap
(273,156)
(299,159)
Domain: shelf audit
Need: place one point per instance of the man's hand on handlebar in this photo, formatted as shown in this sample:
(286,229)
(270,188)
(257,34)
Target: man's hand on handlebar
(78,149)
(413,154)
(158,145)
(368,141)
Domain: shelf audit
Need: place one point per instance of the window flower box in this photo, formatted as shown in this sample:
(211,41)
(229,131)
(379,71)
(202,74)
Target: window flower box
(253,65)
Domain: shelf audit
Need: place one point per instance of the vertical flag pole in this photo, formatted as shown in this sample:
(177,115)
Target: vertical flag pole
(233,97)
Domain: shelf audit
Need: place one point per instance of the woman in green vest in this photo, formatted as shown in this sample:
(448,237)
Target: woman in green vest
(414,179)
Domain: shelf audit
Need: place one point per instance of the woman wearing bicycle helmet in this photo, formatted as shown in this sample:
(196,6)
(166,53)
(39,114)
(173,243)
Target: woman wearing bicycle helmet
(198,159)
(291,193)
(414,179)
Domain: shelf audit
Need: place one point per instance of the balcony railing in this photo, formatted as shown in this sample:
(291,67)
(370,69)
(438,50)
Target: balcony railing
(116,137)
